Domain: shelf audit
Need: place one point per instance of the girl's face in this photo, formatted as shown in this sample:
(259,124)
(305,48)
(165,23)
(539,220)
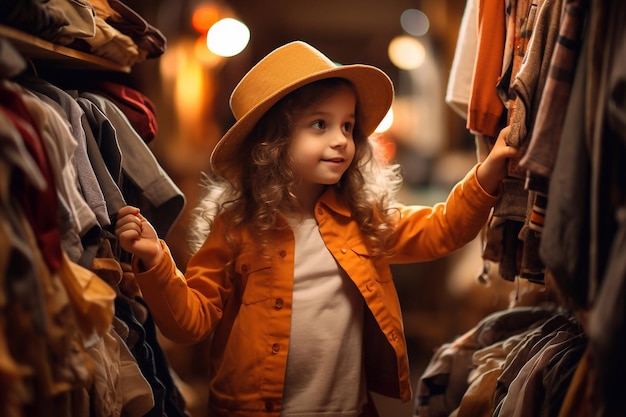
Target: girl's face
(322,146)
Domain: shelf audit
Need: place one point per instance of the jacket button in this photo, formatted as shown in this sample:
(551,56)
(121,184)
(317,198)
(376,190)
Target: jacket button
(369,286)
(269,406)
(282,253)
(320,210)
(278,304)
(275,348)
(244,268)
(344,250)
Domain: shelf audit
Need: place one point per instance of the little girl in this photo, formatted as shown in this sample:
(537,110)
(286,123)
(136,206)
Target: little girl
(292,281)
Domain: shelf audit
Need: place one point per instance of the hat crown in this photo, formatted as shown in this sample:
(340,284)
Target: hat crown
(282,68)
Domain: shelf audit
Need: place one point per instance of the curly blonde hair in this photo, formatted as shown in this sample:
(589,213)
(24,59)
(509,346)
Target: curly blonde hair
(264,183)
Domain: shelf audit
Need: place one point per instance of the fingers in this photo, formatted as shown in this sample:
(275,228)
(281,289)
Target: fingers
(510,151)
(502,148)
(128,225)
(501,139)
(128,228)
(127,210)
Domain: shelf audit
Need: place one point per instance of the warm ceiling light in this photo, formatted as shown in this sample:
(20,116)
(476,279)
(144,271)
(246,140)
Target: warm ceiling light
(228,37)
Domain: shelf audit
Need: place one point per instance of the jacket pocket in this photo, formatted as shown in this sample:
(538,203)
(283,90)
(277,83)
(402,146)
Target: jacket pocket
(380,273)
(255,276)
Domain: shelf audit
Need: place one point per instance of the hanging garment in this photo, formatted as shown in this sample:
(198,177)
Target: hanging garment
(447,377)
(138,108)
(144,182)
(485,107)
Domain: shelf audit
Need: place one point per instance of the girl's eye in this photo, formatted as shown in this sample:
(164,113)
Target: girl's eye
(318,124)
(347,127)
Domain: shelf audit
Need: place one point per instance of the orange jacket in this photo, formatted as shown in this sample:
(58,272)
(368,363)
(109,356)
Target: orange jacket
(249,314)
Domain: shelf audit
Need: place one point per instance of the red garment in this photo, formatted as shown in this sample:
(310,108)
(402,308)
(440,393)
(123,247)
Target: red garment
(40,207)
(138,108)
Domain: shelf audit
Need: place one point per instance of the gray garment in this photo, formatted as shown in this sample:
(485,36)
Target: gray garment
(110,189)
(145,184)
(105,136)
(90,213)
(70,238)
(70,110)
(75,217)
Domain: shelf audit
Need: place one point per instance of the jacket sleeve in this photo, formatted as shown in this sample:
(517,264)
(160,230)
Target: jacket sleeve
(427,233)
(187,307)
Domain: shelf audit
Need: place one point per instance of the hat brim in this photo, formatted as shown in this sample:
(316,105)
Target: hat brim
(374,92)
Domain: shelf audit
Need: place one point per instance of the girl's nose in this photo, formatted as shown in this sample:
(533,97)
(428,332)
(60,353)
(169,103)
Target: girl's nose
(339,138)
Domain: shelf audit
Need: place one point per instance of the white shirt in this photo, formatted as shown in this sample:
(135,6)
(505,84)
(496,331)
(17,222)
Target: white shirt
(324,366)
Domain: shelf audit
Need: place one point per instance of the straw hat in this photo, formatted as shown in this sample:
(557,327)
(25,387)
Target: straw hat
(282,71)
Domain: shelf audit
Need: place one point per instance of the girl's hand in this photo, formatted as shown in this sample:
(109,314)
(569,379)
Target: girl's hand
(137,236)
(494,168)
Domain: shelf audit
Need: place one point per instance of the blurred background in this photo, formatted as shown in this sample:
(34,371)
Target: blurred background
(211,44)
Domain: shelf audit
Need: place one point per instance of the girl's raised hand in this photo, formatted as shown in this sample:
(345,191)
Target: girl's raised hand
(494,168)
(137,236)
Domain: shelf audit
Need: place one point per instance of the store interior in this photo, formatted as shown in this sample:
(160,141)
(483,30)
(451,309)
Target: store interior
(186,79)
(441,299)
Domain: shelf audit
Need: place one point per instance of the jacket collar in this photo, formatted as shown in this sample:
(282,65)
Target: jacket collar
(331,199)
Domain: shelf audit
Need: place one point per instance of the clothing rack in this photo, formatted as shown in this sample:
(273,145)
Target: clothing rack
(76,338)
(553,72)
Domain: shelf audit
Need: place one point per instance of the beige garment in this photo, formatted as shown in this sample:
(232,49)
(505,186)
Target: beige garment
(459,86)
(119,387)
(113,45)
(324,363)
(91,299)
(478,399)
(103,9)
(81,16)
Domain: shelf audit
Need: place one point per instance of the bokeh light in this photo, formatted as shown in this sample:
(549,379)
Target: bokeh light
(414,22)
(204,17)
(406,52)
(228,37)
(204,55)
